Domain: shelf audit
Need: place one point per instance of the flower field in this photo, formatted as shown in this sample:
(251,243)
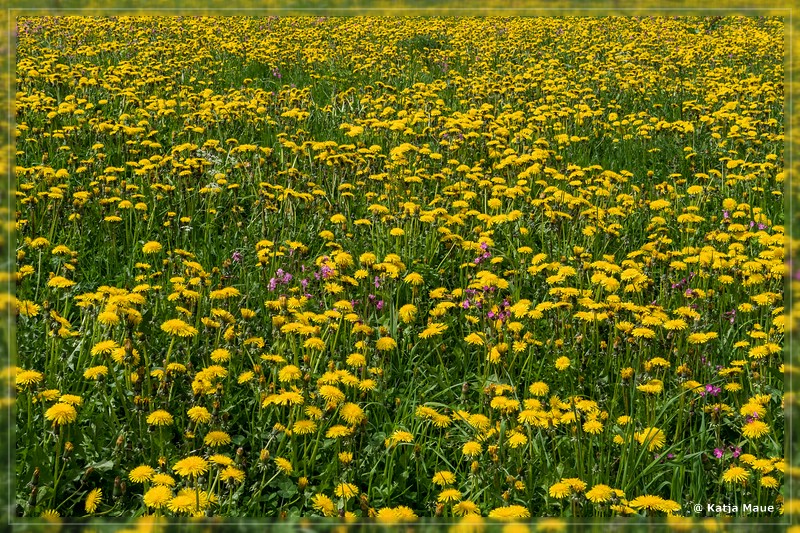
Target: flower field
(397,268)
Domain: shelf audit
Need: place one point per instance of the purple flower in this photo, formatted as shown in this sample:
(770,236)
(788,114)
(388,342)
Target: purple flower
(236,257)
(273,284)
(465,304)
(736,451)
(762,226)
(718,453)
(377,282)
(304,283)
(726,214)
(379,305)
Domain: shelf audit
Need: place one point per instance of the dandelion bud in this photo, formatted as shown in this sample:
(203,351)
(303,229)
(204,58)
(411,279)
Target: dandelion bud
(364,503)
(86,474)
(120,441)
(117,490)
(35,480)
(506,495)
(264,456)
(302,483)
(475,466)
(32,499)
(465,388)
(439,509)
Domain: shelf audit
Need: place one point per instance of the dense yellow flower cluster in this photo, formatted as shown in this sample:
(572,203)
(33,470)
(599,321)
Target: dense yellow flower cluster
(399,267)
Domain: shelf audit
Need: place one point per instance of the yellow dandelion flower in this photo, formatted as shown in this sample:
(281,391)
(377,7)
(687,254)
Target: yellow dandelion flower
(93,499)
(323,504)
(61,414)
(444,478)
(284,465)
(232,474)
(199,415)
(653,438)
(466,508)
(385,344)
(151,247)
(647,501)
(351,413)
(511,512)
(217,438)
(157,497)
(191,466)
(24,378)
(160,418)
(539,388)
(163,479)
(593,427)
(407,313)
(755,429)
(735,474)
(346,490)
(179,328)
(96,372)
(142,473)
(471,449)
(599,494)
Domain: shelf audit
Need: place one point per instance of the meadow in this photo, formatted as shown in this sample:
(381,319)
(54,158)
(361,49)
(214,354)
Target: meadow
(395,268)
